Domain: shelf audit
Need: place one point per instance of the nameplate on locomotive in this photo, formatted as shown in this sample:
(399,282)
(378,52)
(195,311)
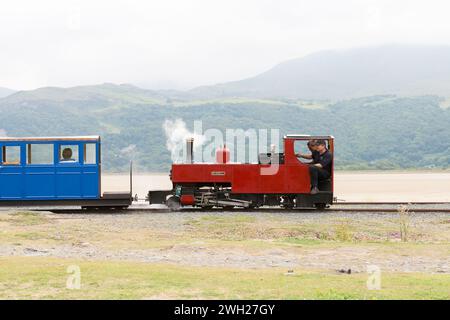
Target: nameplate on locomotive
(217,173)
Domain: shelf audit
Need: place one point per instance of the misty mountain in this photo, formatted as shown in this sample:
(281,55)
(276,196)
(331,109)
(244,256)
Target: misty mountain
(5,92)
(394,69)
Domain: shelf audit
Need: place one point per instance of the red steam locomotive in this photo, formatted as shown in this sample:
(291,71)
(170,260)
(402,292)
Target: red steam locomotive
(278,179)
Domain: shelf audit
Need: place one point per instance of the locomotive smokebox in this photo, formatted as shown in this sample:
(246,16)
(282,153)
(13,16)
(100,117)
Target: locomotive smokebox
(190,150)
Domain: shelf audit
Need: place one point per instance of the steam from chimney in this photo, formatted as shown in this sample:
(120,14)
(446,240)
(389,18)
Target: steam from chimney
(176,134)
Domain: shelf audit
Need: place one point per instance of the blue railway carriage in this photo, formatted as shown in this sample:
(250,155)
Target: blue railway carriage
(59,171)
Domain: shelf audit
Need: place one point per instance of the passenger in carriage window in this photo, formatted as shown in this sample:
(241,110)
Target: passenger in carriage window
(67,155)
(320,170)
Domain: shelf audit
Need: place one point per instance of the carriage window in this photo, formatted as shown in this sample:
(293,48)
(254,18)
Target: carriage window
(90,153)
(11,155)
(39,154)
(68,153)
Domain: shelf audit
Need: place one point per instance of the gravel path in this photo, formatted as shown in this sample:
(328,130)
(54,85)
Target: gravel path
(356,259)
(235,240)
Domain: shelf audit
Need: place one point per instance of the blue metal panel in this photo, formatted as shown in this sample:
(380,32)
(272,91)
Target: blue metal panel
(57,181)
(68,183)
(39,182)
(11,184)
(90,187)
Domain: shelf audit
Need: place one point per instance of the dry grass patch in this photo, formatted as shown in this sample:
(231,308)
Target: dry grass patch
(26,218)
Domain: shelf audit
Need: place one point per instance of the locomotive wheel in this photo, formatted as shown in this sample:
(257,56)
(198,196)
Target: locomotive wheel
(228,207)
(287,202)
(174,203)
(288,205)
(207,207)
(320,206)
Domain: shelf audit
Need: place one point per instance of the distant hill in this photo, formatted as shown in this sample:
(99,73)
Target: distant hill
(86,96)
(393,69)
(5,92)
(378,132)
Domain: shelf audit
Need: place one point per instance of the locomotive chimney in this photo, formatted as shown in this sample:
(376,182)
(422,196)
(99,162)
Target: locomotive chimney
(190,150)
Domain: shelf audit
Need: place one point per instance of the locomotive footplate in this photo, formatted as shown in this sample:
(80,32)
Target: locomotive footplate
(313,200)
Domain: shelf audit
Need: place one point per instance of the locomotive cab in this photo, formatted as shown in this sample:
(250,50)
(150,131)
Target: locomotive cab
(326,186)
(290,144)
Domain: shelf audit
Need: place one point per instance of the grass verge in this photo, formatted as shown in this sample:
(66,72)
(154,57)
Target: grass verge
(46,278)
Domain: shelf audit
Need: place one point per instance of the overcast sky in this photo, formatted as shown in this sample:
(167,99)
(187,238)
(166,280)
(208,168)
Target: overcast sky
(185,43)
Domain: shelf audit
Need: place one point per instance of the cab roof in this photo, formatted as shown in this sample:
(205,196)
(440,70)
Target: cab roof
(306,137)
(74,138)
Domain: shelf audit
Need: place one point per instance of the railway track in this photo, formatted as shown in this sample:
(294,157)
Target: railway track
(362,207)
(412,207)
(340,206)
(381,210)
(390,206)
(390,203)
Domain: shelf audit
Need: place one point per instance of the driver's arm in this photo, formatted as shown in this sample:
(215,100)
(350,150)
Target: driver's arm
(304,156)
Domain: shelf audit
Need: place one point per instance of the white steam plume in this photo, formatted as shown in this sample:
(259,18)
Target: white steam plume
(176,134)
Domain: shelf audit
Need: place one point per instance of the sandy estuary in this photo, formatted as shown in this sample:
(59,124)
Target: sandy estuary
(365,186)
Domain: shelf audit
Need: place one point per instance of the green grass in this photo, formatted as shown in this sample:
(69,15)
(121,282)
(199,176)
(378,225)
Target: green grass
(249,233)
(26,218)
(343,231)
(245,227)
(301,241)
(43,278)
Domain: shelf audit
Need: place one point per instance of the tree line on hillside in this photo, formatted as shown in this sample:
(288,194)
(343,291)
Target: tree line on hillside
(379,132)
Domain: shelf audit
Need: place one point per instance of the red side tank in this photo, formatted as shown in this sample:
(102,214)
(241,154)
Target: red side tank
(223,154)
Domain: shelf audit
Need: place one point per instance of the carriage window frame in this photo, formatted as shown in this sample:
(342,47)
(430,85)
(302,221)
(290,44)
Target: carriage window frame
(75,153)
(29,154)
(86,151)
(5,154)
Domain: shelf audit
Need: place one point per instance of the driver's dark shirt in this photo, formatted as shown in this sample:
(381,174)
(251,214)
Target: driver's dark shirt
(325,159)
(315,156)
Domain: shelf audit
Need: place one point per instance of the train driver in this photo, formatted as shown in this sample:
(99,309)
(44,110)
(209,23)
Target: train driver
(314,155)
(320,170)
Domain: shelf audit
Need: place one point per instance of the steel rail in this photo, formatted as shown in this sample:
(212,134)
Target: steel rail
(267,209)
(387,210)
(338,203)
